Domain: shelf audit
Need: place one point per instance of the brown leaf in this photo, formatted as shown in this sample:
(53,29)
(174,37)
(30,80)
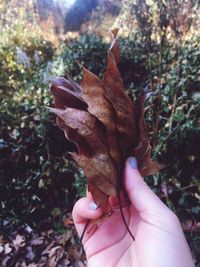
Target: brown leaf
(143,150)
(126,120)
(99,117)
(72,135)
(100,170)
(67,94)
(68,222)
(55,254)
(84,125)
(98,105)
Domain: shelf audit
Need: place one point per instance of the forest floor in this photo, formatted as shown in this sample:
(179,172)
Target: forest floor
(29,248)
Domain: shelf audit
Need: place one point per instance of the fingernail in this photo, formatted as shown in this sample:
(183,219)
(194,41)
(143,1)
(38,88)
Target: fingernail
(92,206)
(133,163)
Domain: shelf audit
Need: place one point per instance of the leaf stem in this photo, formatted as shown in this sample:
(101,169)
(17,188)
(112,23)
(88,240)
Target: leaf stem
(122,214)
(84,230)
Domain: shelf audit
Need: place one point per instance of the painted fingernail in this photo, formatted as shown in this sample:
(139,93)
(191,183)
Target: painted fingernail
(92,206)
(133,163)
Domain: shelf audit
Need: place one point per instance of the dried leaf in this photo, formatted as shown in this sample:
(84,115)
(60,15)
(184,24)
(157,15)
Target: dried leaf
(67,94)
(98,105)
(72,135)
(100,170)
(19,241)
(143,150)
(99,117)
(7,249)
(85,125)
(126,120)
(55,254)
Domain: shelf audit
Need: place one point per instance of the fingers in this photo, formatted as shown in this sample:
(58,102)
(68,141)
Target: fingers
(85,209)
(140,194)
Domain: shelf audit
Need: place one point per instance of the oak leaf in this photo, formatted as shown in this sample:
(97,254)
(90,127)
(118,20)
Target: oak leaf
(105,125)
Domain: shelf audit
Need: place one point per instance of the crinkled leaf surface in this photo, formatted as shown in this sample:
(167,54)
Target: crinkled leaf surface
(67,94)
(106,126)
(94,94)
(126,120)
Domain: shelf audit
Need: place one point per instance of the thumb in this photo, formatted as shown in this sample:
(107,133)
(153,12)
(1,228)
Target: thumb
(141,196)
(153,211)
(84,211)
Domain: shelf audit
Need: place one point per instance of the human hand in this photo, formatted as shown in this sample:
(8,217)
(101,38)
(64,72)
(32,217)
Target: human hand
(159,239)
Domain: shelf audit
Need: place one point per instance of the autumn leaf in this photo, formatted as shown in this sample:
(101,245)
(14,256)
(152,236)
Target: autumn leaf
(94,94)
(100,170)
(83,125)
(105,125)
(67,94)
(143,149)
(124,108)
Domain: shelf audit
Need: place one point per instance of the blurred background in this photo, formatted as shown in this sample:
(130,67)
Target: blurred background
(160,51)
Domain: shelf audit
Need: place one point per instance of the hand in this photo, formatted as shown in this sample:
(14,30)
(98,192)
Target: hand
(159,239)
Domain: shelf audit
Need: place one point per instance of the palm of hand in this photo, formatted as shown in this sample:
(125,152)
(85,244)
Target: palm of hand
(111,245)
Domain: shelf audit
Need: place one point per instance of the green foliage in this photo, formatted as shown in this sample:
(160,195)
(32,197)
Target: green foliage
(90,51)
(35,176)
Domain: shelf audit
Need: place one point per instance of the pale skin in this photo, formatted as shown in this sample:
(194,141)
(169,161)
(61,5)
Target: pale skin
(159,239)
